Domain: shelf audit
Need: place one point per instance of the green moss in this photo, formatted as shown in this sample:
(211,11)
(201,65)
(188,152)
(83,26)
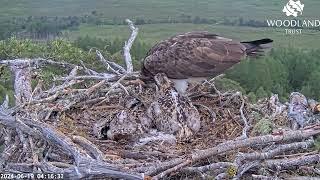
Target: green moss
(232,171)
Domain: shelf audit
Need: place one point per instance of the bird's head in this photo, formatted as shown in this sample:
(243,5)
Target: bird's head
(162,81)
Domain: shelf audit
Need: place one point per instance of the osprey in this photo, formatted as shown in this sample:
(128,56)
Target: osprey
(195,56)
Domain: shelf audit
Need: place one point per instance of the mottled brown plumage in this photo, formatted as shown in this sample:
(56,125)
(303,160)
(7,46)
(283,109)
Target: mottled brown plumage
(130,122)
(198,54)
(172,113)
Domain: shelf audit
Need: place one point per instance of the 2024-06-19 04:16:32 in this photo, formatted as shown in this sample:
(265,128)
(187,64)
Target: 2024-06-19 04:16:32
(31,176)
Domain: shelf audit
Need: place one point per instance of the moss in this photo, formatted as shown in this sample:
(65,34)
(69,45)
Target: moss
(232,171)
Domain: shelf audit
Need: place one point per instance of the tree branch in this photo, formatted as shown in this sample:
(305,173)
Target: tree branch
(128,45)
(236,144)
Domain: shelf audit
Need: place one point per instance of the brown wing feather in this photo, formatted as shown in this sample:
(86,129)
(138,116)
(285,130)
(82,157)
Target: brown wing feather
(195,54)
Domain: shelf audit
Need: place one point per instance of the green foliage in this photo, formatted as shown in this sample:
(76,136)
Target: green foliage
(13,48)
(263,127)
(3,92)
(58,50)
(317,143)
(62,50)
(225,84)
(312,86)
(265,73)
(261,93)
(6,85)
(252,97)
(282,71)
(113,48)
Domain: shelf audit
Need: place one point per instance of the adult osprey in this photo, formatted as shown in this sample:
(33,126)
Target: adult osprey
(195,56)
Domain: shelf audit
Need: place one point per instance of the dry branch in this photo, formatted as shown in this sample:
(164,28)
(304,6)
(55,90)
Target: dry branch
(111,66)
(210,167)
(128,45)
(85,165)
(272,153)
(22,83)
(236,144)
(291,163)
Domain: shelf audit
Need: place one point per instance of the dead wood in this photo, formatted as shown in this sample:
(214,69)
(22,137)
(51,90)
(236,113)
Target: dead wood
(236,144)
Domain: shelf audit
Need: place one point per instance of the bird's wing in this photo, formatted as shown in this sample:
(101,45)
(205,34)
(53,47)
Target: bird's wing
(193,55)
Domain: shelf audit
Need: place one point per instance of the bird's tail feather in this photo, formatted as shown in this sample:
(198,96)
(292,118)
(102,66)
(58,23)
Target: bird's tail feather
(258,47)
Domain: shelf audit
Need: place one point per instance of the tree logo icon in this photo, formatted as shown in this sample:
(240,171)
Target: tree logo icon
(293,8)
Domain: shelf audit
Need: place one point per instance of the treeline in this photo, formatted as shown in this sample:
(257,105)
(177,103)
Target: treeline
(48,28)
(204,20)
(282,71)
(37,27)
(44,27)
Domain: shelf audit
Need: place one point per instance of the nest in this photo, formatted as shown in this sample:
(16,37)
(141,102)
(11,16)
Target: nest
(66,128)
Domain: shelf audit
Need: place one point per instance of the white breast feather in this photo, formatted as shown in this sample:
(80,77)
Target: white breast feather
(181,85)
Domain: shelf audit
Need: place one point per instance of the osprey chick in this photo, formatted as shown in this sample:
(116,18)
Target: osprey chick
(195,56)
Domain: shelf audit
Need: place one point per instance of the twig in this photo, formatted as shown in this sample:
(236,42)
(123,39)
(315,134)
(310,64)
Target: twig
(36,62)
(116,84)
(291,163)
(260,177)
(153,170)
(111,66)
(87,70)
(272,153)
(210,167)
(107,77)
(246,125)
(5,104)
(212,114)
(89,146)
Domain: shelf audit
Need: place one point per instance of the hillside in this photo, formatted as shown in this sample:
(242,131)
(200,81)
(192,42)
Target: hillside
(153,9)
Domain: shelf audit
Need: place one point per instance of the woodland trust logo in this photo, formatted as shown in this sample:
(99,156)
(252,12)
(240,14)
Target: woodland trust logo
(293,9)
